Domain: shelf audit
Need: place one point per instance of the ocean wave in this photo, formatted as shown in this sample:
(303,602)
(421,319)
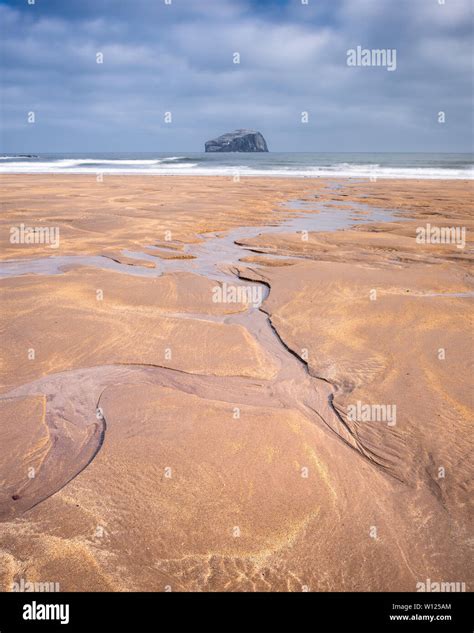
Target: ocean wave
(132,161)
(186,165)
(354,166)
(104,161)
(30,167)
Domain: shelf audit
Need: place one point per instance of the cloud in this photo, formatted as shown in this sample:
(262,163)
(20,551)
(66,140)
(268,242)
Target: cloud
(179,58)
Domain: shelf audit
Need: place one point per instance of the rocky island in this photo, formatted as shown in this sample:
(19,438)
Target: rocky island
(238,141)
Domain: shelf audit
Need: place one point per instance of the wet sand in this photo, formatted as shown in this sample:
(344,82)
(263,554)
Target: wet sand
(155,439)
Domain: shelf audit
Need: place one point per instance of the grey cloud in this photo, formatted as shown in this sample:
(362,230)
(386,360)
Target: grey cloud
(179,58)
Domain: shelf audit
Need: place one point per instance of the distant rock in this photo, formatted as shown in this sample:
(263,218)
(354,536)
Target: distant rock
(238,141)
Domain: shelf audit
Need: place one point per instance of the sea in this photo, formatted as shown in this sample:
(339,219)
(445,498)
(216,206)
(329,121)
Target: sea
(310,165)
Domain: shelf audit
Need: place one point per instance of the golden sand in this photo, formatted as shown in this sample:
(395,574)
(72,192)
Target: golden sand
(179,443)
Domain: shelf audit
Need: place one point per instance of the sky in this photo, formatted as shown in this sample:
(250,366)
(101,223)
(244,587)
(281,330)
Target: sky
(177,56)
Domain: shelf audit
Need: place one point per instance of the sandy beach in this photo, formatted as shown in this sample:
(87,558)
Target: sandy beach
(159,433)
